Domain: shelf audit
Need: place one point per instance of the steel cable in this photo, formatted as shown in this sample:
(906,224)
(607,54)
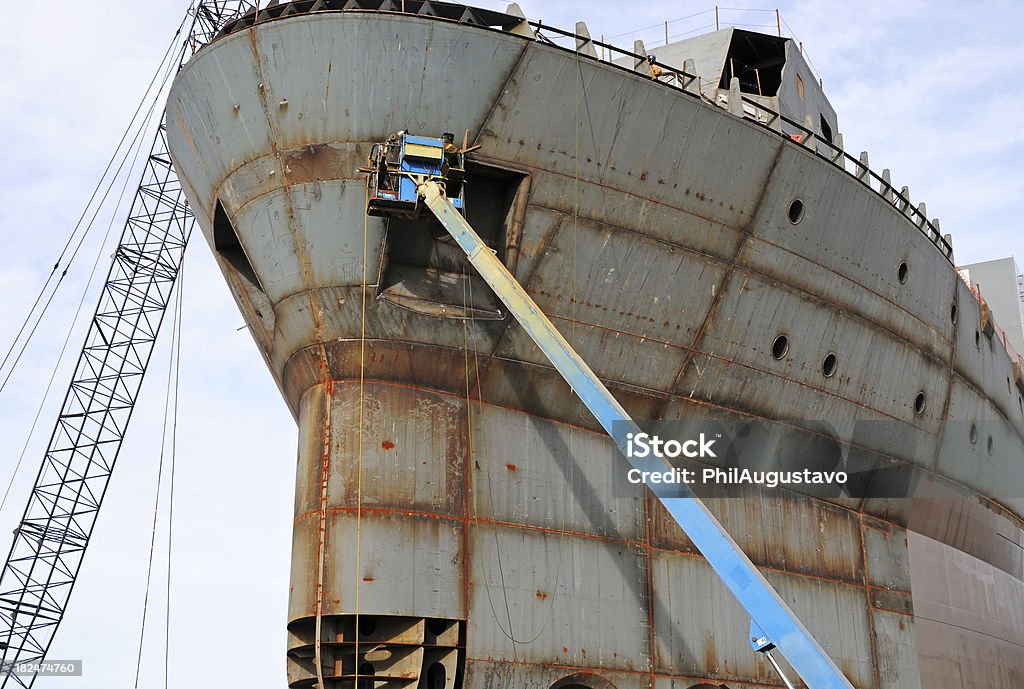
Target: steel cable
(85,212)
(171,385)
(136,145)
(470,317)
(174,454)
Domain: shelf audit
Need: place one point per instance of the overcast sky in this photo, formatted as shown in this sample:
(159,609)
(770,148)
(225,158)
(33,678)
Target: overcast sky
(930,89)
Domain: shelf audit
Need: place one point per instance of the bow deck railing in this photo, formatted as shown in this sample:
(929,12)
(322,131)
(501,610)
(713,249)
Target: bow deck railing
(764,116)
(513,20)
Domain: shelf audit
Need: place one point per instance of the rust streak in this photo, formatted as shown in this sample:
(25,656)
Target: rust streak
(701,403)
(618,671)
(640,544)
(867,595)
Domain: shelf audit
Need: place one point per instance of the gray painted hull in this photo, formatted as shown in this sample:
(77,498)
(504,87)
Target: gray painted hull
(446,473)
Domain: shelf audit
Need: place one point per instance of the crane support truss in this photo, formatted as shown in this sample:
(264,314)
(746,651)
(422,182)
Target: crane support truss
(54,532)
(51,538)
(210,16)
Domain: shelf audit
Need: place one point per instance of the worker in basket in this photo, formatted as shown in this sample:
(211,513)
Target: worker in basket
(654,67)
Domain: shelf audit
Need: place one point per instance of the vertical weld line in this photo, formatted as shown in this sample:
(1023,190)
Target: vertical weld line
(650,585)
(469,443)
(471,513)
(325,465)
(468,476)
(867,595)
(733,265)
(947,399)
(325,470)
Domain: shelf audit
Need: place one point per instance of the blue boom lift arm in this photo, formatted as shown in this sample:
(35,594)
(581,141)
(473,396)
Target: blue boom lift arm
(773,624)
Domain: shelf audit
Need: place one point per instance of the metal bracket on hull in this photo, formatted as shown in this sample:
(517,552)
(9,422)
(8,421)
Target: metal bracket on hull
(773,622)
(760,643)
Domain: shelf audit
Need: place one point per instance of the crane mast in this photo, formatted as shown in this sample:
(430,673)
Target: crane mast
(53,534)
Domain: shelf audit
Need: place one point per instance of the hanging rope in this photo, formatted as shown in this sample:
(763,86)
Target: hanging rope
(167,67)
(473,381)
(170,421)
(137,145)
(467,305)
(171,385)
(170,497)
(359,466)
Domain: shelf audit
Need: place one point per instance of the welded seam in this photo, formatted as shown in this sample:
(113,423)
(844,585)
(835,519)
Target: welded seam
(638,543)
(300,251)
(641,389)
(476,141)
(626,387)
(974,631)
(325,466)
(690,212)
(325,458)
(950,377)
(501,92)
(867,596)
(649,550)
(546,241)
(359,449)
(589,670)
(720,288)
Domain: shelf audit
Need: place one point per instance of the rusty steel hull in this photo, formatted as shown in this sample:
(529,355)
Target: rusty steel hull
(451,489)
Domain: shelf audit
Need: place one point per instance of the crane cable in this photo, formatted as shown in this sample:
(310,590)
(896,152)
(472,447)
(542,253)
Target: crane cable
(470,317)
(136,145)
(170,496)
(163,66)
(172,387)
(121,157)
(359,464)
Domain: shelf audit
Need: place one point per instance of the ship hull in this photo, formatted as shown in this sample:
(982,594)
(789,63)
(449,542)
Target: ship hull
(451,489)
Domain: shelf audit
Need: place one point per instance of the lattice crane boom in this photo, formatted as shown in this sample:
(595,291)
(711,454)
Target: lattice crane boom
(54,532)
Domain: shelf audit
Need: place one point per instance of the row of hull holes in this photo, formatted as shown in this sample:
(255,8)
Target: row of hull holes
(1009,384)
(796,214)
(991,445)
(780,348)
(828,367)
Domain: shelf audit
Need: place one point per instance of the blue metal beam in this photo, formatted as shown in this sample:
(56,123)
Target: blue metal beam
(734,568)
